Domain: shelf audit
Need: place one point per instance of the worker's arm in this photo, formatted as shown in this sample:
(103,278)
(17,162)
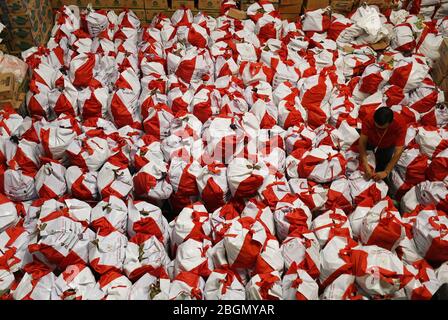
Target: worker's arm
(363,155)
(383,174)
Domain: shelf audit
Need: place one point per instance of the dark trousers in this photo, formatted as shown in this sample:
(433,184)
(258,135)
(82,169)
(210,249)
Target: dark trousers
(382,157)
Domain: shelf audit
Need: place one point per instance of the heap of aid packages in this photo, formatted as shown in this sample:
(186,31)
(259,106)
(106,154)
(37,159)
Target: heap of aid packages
(217,158)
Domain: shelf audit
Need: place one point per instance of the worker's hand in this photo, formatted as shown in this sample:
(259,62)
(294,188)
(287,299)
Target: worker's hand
(369,172)
(379,175)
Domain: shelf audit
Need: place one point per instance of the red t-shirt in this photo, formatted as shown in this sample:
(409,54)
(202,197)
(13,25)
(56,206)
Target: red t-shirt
(394,137)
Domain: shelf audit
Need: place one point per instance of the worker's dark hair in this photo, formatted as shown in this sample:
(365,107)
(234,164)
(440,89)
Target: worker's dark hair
(383,115)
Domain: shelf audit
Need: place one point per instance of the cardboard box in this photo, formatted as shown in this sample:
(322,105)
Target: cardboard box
(438,74)
(156,4)
(380,45)
(56,4)
(443,49)
(381,4)
(237,14)
(315,4)
(7,86)
(293,9)
(129,4)
(291,2)
(290,16)
(176,4)
(342,6)
(209,5)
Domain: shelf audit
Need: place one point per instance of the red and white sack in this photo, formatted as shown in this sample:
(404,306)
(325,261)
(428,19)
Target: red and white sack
(245,177)
(313,195)
(186,125)
(50,179)
(115,286)
(437,168)
(342,288)
(224,285)
(330,224)
(224,138)
(302,247)
(374,77)
(425,282)
(151,181)
(442,272)
(403,38)
(76,282)
(18,185)
(409,171)
(192,256)
(88,152)
(14,243)
(124,108)
(267,286)
(36,284)
(436,117)
(290,215)
(187,286)
(10,121)
(107,253)
(144,253)
(63,241)
(81,183)
(426,193)
(424,98)
(22,153)
(115,179)
(335,259)
(252,72)
(361,189)
(146,218)
(259,211)
(270,258)
(183,176)
(315,92)
(150,287)
(298,285)
(221,220)
(316,20)
(243,242)
(212,185)
(194,66)
(157,121)
(431,234)
(110,214)
(382,226)
(409,73)
(378,271)
(191,223)
(10,213)
(431,140)
(144,150)
(323,164)
(339,195)
(55,140)
(81,71)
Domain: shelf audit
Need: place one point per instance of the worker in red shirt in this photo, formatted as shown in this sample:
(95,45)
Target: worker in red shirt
(383,132)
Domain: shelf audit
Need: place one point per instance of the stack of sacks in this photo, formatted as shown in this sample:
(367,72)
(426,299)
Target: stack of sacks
(213,158)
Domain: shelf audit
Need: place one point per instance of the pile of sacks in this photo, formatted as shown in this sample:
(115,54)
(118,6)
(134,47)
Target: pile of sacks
(203,158)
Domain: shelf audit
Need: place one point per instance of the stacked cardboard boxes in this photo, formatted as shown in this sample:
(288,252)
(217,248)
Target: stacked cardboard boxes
(440,68)
(29,22)
(290,9)
(11,92)
(343,6)
(315,4)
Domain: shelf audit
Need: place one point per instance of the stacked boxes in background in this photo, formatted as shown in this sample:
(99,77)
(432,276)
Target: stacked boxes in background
(315,4)
(29,23)
(440,68)
(342,6)
(290,9)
